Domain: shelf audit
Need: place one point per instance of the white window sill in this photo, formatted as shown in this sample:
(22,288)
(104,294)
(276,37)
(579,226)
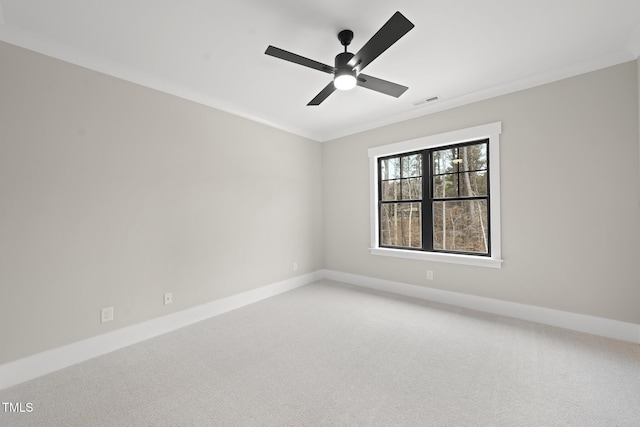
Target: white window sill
(478,261)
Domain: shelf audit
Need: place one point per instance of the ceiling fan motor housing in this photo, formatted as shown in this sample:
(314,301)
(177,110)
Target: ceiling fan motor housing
(345,77)
(341,61)
(345,37)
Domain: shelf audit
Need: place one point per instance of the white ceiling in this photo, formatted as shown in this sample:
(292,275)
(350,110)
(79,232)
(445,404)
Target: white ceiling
(212,52)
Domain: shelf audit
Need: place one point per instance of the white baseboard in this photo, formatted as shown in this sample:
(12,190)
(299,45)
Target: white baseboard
(574,321)
(39,364)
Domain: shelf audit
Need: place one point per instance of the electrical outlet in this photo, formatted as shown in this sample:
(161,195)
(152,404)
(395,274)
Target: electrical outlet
(429,275)
(168,298)
(106,314)
(295,266)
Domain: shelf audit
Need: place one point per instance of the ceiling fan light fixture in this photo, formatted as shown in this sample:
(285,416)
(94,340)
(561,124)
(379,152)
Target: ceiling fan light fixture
(345,77)
(345,80)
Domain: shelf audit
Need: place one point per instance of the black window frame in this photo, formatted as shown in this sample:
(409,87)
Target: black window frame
(427,201)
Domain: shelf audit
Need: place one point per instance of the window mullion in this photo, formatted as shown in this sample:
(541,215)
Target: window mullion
(380,201)
(427,205)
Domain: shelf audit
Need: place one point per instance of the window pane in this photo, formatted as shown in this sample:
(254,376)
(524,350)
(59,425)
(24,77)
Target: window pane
(402,189)
(391,190)
(445,186)
(412,188)
(472,157)
(461,226)
(473,184)
(412,166)
(443,161)
(400,225)
(390,168)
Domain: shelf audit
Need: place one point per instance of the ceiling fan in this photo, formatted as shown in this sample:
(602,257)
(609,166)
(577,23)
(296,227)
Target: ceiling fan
(347,70)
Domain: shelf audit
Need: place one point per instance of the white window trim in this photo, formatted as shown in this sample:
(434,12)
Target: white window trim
(491,131)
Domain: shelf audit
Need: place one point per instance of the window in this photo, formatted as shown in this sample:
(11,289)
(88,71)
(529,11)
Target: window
(437,198)
(400,207)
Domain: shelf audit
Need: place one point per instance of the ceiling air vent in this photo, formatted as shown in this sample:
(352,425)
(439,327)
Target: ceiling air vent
(426,100)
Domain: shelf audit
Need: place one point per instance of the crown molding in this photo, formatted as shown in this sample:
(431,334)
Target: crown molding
(45,46)
(633,45)
(48,47)
(550,76)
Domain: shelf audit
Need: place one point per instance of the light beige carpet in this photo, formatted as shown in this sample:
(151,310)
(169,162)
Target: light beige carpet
(331,354)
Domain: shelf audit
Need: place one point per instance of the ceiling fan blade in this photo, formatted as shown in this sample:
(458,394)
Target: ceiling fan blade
(396,27)
(382,86)
(297,59)
(324,93)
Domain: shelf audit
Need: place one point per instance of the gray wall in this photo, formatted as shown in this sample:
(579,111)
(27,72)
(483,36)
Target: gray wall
(570,209)
(112,194)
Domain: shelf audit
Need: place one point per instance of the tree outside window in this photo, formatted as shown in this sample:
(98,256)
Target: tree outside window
(447,211)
